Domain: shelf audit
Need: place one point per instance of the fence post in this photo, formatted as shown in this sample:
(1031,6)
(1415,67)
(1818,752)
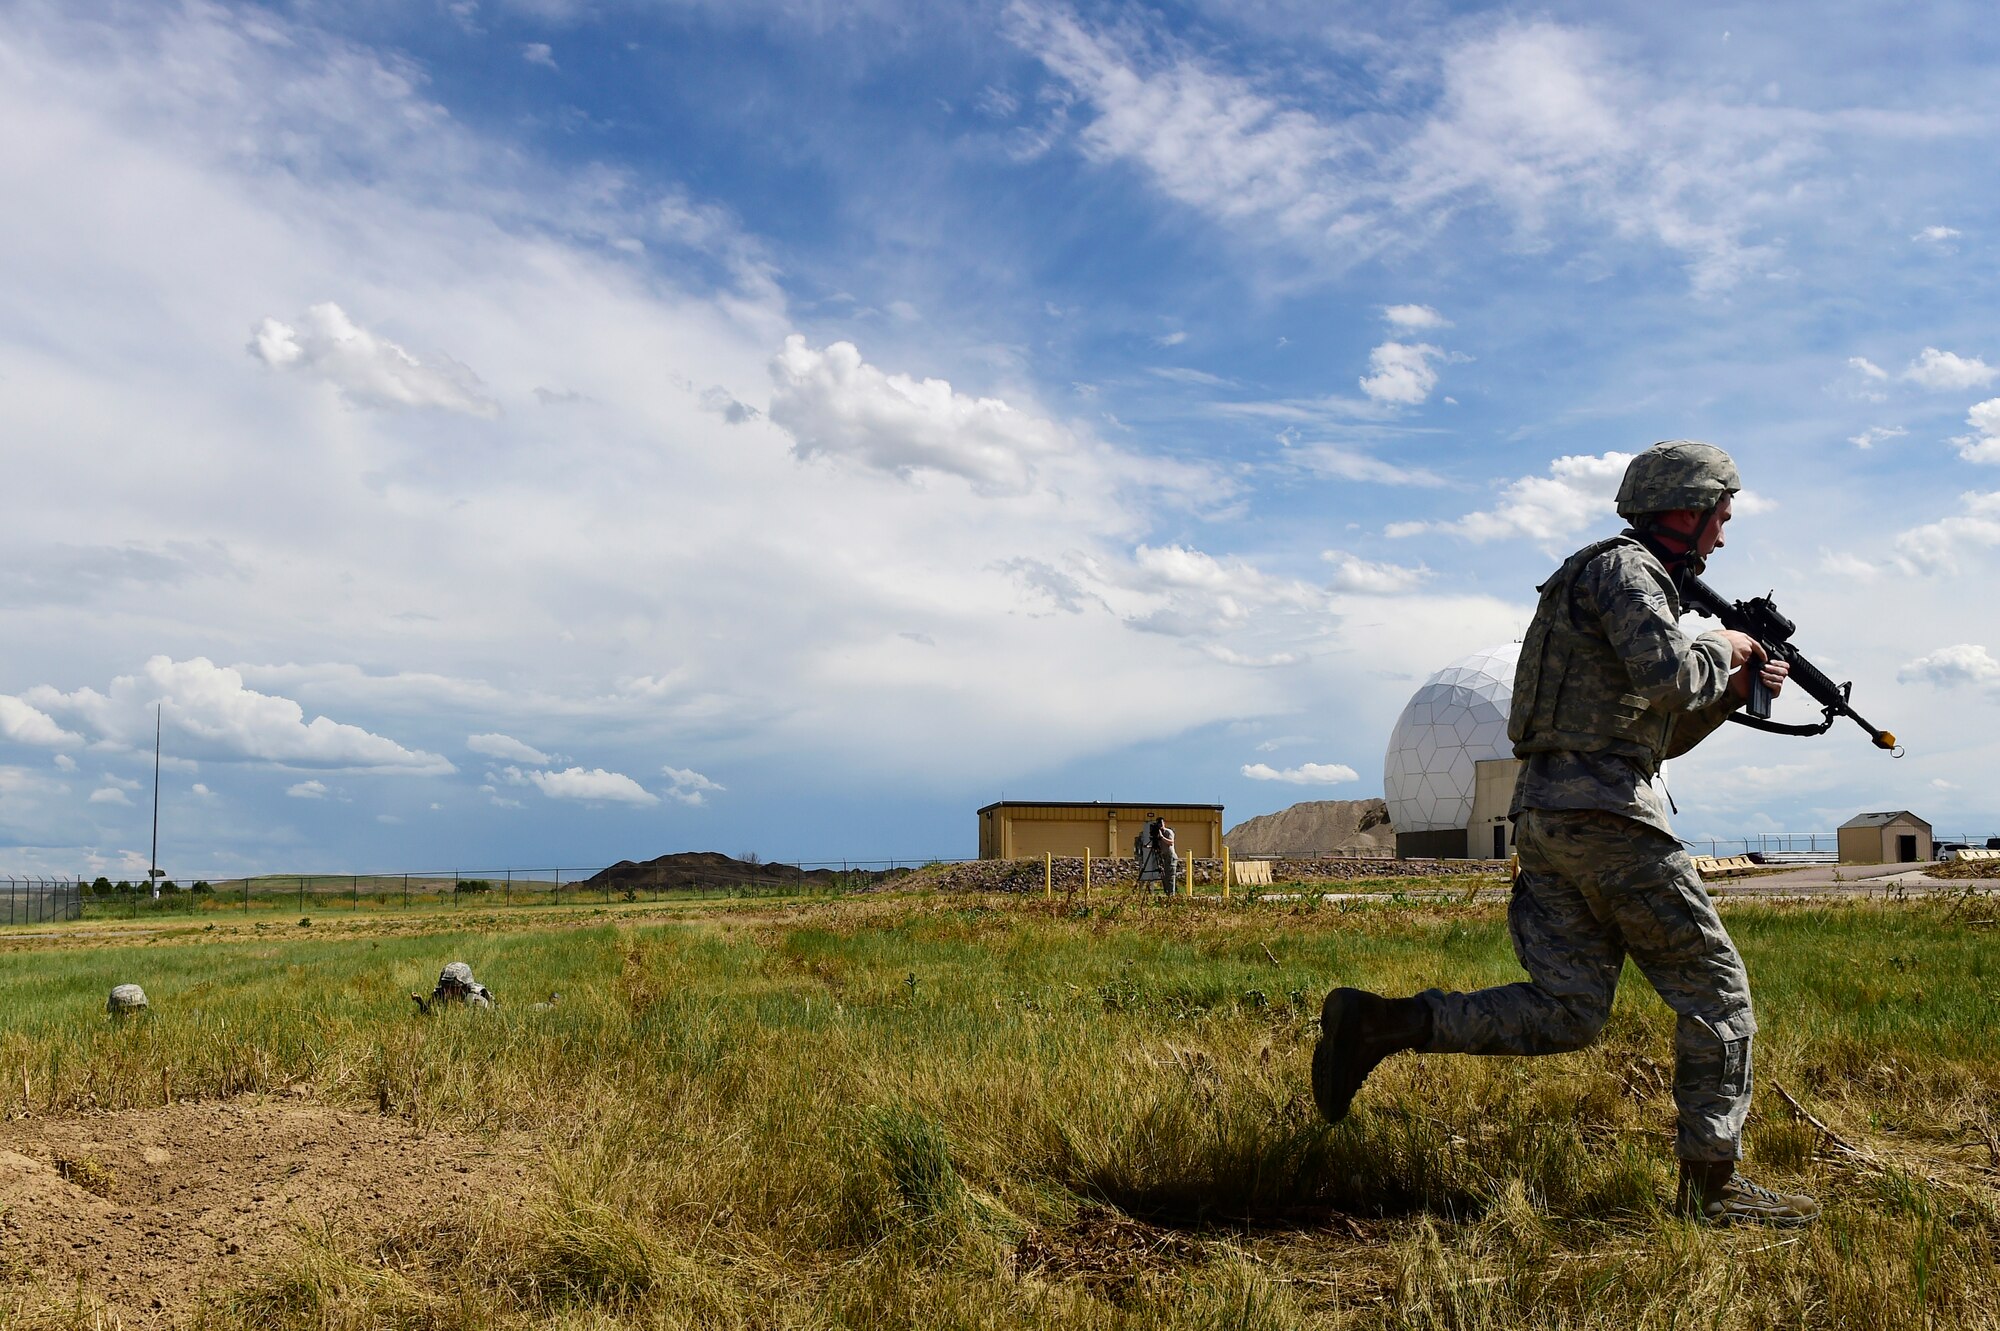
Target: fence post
(555,889)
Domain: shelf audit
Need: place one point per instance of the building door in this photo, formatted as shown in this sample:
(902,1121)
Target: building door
(1906,849)
(1500,841)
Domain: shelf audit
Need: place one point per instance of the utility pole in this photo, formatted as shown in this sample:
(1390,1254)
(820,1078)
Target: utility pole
(153,869)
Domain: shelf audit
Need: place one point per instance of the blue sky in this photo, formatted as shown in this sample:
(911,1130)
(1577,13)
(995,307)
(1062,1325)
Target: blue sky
(533,431)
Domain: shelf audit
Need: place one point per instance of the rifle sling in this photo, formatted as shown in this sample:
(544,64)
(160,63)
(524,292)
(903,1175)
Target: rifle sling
(1782,727)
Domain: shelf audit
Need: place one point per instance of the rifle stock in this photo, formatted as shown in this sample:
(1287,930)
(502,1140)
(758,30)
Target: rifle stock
(1762,620)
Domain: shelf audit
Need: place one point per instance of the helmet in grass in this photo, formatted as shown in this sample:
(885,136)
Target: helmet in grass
(1680,473)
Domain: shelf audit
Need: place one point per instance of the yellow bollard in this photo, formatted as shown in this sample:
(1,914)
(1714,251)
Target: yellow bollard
(1048,876)
(1086,872)
(1225,872)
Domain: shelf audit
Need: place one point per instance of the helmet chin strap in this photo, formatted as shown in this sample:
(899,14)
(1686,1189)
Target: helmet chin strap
(1678,562)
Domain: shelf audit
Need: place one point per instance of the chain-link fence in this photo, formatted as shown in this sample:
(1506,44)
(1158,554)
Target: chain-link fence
(42,900)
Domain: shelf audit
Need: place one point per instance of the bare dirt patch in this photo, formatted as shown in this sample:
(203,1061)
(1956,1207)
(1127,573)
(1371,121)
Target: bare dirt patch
(144,1210)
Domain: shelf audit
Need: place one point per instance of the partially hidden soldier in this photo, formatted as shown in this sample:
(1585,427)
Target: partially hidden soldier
(1158,861)
(455,986)
(1607,689)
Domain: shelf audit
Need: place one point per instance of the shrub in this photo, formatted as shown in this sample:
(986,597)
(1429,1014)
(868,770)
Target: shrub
(101,887)
(201,885)
(473,885)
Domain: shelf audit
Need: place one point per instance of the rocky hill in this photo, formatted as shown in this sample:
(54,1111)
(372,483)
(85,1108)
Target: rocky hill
(1317,827)
(707,870)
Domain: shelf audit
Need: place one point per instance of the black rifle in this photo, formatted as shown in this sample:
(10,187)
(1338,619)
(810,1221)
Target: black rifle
(1763,621)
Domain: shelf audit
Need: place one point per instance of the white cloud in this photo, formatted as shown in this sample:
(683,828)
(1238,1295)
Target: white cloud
(1578,491)
(211,714)
(505,746)
(108,795)
(368,371)
(1172,339)
(1949,667)
(1305,774)
(26,725)
(1845,564)
(1194,594)
(539,53)
(1984,445)
(201,791)
(1402,372)
(594,786)
(307,790)
(1414,317)
(1351,573)
(1944,545)
(1875,434)
(65,763)
(1866,368)
(834,404)
(688,786)
(1947,370)
(1936,235)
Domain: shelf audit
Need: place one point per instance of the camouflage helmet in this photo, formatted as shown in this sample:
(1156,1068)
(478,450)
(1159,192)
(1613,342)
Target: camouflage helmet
(1680,473)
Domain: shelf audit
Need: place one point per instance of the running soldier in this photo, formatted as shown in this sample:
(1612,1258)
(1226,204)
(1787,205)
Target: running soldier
(1608,688)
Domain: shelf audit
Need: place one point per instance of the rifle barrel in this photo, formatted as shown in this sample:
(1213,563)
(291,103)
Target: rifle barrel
(1704,599)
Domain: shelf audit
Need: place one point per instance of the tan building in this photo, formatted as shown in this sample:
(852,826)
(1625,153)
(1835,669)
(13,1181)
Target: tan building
(1013,830)
(1489,834)
(1885,838)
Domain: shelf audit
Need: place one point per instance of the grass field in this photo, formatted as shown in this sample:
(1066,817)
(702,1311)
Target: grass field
(925,1112)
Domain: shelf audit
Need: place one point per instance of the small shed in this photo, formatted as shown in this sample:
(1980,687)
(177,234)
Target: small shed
(1018,830)
(1885,838)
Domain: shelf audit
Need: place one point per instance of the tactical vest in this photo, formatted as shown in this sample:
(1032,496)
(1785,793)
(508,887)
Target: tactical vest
(1571,690)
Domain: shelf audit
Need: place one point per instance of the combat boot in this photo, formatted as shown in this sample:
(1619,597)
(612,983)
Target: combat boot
(1712,1191)
(1357,1030)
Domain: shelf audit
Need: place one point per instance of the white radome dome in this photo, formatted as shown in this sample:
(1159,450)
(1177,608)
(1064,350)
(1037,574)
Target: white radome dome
(1458,718)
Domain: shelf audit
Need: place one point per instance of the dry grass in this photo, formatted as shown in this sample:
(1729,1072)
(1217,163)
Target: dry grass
(940,1113)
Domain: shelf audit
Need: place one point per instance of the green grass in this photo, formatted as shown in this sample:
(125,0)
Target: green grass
(991,1113)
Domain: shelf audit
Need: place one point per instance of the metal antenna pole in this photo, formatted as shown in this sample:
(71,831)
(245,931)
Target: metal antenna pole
(153,869)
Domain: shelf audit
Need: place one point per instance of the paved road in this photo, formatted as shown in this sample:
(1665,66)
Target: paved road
(1834,880)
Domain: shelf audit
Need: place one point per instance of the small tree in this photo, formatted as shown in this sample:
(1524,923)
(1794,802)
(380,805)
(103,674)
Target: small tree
(201,885)
(123,886)
(101,887)
(473,885)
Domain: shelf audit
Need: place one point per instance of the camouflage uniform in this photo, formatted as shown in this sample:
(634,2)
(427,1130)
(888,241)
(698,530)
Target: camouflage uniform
(1607,688)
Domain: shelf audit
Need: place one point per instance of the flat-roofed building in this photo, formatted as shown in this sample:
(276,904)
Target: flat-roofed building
(1022,829)
(1885,838)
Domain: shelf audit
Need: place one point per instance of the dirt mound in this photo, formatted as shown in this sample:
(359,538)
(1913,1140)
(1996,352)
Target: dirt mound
(1317,827)
(707,870)
(144,1209)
